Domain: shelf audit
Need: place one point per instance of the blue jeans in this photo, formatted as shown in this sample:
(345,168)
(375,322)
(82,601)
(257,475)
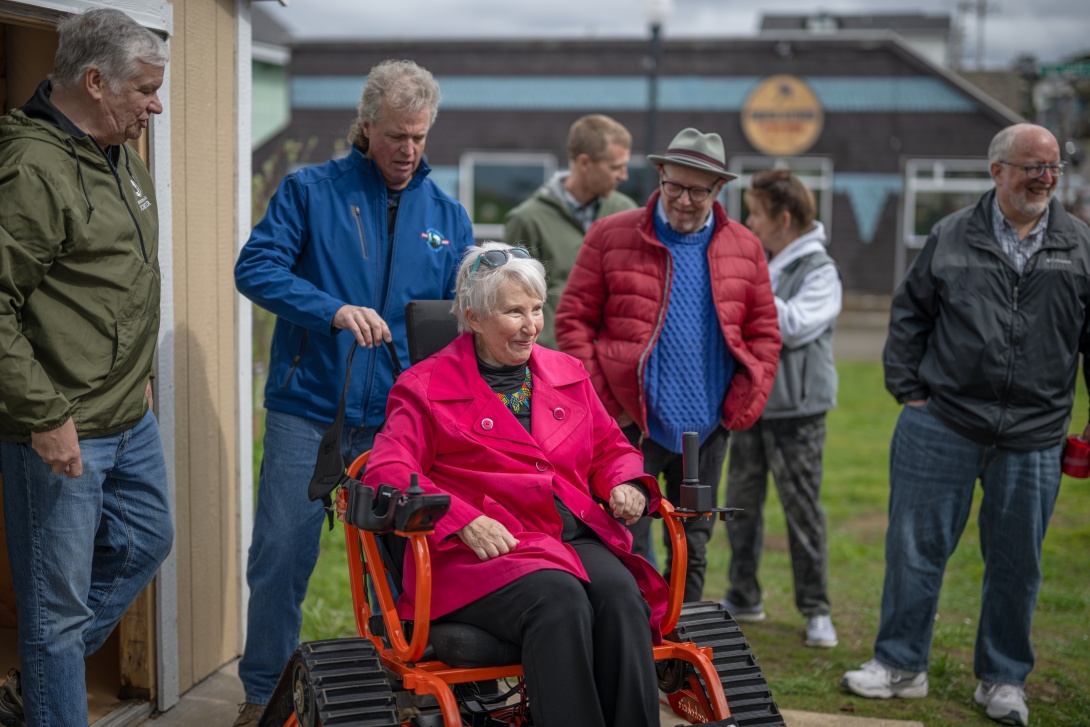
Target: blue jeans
(81,550)
(287,529)
(933,471)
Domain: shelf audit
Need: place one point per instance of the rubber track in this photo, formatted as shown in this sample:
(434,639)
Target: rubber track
(349,684)
(708,624)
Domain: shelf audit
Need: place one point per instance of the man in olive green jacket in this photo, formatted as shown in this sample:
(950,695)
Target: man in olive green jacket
(86,506)
(551,223)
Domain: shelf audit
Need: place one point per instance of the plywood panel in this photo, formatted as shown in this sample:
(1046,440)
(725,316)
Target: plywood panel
(205,439)
(227,130)
(5,104)
(28,51)
(136,657)
(204,50)
(181,91)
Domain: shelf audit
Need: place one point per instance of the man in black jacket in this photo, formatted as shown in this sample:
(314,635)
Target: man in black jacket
(984,341)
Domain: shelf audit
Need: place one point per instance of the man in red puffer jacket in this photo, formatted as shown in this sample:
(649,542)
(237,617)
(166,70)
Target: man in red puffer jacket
(670,309)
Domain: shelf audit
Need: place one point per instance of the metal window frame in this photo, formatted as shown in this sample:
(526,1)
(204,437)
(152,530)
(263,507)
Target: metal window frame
(467,164)
(823,183)
(913,185)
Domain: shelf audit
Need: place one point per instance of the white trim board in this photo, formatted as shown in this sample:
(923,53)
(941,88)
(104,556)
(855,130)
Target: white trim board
(153,14)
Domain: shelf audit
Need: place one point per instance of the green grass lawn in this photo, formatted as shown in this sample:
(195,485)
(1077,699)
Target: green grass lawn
(855,497)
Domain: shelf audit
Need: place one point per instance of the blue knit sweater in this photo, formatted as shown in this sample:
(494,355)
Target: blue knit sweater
(689,369)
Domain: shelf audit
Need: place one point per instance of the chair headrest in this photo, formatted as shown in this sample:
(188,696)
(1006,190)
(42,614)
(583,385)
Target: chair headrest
(430,326)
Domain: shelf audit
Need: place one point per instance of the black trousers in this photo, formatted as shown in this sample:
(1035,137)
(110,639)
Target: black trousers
(586,647)
(698,531)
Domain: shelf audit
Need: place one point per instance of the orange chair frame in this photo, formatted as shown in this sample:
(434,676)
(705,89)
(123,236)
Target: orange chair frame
(435,677)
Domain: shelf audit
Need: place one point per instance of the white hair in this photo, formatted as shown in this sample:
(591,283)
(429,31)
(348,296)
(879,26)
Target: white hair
(108,40)
(477,290)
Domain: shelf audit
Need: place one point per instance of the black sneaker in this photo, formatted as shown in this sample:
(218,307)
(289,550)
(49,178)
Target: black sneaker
(11,701)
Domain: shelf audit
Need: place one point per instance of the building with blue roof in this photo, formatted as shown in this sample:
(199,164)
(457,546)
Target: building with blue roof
(902,140)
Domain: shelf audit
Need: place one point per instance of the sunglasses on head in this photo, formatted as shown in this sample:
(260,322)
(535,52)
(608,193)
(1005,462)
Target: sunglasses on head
(498,258)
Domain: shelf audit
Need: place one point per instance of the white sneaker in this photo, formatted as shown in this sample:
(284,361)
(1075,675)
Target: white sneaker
(744,614)
(820,632)
(878,681)
(1004,703)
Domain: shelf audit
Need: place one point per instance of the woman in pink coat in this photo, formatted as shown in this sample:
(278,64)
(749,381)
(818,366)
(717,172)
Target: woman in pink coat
(541,481)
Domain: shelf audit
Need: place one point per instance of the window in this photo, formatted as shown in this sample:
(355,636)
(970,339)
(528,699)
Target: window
(815,172)
(490,184)
(933,189)
(643,180)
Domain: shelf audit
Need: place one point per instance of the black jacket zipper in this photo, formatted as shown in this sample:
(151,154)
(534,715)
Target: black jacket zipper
(295,361)
(359,228)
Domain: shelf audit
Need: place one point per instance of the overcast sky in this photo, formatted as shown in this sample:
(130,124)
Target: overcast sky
(1050,29)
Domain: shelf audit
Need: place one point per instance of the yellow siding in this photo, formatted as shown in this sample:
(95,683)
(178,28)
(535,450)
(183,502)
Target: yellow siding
(203,149)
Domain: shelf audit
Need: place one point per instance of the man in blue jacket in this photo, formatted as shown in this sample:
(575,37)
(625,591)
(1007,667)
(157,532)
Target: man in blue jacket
(342,248)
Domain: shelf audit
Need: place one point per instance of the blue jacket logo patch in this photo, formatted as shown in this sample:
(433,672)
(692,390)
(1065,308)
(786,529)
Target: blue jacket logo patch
(435,238)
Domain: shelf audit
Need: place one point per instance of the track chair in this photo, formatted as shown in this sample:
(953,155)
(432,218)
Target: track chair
(417,673)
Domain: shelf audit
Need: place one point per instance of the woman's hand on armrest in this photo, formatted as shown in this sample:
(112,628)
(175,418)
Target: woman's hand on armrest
(487,538)
(627,503)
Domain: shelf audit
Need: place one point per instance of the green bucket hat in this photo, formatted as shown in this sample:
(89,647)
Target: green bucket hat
(695,150)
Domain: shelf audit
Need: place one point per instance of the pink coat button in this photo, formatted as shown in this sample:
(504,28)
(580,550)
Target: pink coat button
(486,424)
(542,466)
(558,413)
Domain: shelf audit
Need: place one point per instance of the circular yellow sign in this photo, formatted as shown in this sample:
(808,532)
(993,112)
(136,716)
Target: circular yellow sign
(782,116)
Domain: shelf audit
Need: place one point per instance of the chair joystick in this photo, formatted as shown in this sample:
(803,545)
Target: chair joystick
(417,512)
(695,497)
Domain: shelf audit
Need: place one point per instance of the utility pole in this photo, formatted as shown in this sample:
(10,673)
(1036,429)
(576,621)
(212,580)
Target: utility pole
(983,7)
(956,43)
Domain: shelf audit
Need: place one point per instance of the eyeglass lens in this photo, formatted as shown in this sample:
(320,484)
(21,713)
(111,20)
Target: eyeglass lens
(1033,171)
(673,190)
(1038,170)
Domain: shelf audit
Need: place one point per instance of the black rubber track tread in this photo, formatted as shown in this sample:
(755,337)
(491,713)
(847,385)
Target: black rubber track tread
(349,684)
(707,623)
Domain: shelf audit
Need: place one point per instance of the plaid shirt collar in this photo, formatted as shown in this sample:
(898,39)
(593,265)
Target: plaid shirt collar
(585,213)
(1006,234)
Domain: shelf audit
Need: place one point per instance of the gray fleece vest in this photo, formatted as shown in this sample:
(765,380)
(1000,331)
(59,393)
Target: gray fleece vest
(806,378)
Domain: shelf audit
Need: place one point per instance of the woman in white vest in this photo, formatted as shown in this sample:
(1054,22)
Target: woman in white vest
(790,436)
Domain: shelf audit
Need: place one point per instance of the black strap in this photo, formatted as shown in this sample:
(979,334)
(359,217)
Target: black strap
(329,467)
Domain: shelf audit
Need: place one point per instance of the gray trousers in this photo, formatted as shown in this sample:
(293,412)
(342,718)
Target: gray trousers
(792,450)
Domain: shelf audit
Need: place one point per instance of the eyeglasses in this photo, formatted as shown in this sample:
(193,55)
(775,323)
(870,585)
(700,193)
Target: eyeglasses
(1035,171)
(673,190)
(499,257)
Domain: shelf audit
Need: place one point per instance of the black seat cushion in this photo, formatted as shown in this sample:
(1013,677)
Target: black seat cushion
(467,647)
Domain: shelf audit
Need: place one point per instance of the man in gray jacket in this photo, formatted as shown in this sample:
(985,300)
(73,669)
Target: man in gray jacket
(983,349)
(551,223)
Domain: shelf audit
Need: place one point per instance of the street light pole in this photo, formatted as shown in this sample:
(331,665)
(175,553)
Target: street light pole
(657,11)
(653,85)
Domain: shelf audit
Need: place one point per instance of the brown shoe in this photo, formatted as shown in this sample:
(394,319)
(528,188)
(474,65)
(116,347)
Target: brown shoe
(249,714)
